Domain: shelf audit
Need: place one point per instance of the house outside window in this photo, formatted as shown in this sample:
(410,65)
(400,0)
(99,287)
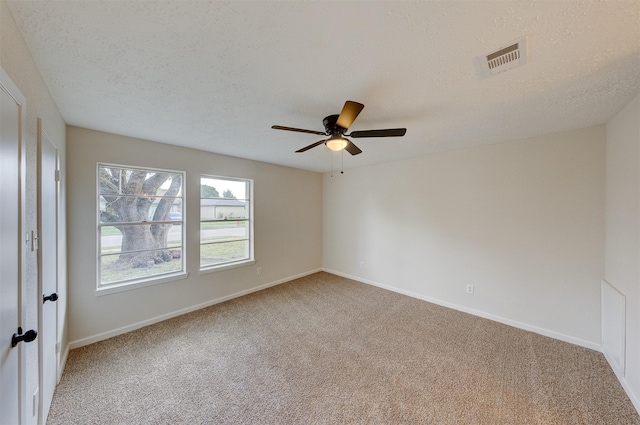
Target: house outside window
(140,225)
(226,222)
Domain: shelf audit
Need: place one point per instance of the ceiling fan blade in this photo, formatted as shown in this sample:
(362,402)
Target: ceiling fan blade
(350,112)
(299,130)
(313,145)
(352,149)
(390,132)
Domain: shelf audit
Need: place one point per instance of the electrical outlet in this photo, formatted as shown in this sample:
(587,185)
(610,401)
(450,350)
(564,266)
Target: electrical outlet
(469,289)
(259,270)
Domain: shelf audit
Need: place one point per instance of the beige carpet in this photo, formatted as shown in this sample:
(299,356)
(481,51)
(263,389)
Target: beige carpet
(328,350)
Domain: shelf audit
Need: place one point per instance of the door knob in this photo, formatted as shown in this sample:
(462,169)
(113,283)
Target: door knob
(53,297)
(27,337)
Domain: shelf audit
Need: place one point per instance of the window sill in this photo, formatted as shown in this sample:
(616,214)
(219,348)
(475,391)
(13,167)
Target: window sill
(112,289)
(213,269)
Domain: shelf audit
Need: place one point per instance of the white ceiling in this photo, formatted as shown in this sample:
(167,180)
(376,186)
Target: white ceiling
(216,75)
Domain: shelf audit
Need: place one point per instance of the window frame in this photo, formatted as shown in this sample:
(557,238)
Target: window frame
(142,281)
(248,197)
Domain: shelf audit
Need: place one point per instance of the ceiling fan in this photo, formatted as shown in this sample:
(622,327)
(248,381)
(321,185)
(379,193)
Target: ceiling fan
(336,126)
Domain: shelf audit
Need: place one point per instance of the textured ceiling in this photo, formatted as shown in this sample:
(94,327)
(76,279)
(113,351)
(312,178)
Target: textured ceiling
(216,75)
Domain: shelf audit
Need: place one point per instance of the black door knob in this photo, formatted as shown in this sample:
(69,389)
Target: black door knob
(27,337)
(53,297)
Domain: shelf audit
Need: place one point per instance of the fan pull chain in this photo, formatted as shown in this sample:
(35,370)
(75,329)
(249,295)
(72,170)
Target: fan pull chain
(341,164)
(331,165)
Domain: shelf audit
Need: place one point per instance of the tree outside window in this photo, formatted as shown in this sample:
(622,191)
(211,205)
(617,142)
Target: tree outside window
(139,223)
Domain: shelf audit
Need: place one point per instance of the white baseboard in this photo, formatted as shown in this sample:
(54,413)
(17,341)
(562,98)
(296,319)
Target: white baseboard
(119,331)
(623,381)
(613,318)
(63,363)
(520,325)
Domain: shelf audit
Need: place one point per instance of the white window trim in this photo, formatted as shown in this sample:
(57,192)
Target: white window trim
(140,283)
(226,266)
(127,285)
(233,264)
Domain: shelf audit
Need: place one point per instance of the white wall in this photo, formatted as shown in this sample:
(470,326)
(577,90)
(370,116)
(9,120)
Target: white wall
(288,232)
(17,62)
(521,221)
(622,254)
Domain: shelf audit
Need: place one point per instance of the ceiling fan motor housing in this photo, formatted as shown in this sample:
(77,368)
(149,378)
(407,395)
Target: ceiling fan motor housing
(331,127)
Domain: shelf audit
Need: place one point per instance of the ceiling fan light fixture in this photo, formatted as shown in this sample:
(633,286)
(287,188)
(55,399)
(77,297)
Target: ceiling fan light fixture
(337,143)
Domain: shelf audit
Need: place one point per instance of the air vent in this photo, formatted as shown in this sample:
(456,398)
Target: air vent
(506,57)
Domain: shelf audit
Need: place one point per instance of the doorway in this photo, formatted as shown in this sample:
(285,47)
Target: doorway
(12,177)
(48,198)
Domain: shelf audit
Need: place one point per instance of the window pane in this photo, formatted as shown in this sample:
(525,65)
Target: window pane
(116,180)
(225,221)
(131,246)
(113,269)
(130,195)
(132,209)
(213,187)
(223,230)
(212,254)
(223,209)
(138,237)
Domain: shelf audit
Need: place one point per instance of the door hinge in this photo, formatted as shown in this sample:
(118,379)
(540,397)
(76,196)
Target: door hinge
(57,175)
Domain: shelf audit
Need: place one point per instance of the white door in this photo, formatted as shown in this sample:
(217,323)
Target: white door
(10,249)
(47,268)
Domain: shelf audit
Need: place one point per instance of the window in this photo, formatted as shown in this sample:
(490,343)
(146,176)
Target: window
(140,225)
(226,226)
